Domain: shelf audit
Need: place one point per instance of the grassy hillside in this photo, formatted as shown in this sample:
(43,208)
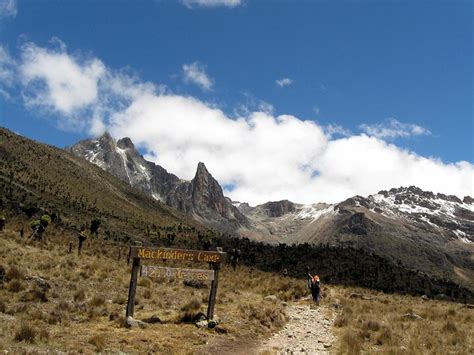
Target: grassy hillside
(37,178)
(51,300)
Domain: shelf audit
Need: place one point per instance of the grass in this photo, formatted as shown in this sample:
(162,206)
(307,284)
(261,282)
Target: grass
(89,292)
(385,324)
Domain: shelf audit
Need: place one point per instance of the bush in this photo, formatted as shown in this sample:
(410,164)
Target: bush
(26,333)
(190,310)
(97,301)
(98,341)
(14,273)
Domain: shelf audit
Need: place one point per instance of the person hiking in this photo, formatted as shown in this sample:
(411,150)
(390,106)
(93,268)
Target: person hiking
(316,289)
(314,285)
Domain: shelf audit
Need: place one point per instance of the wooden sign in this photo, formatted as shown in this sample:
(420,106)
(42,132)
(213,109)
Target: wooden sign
(177,273)
(214,258)
(177,254)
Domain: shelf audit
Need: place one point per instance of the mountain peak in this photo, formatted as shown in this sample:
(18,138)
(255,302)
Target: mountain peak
(125,143)
(201,170)
(106,136)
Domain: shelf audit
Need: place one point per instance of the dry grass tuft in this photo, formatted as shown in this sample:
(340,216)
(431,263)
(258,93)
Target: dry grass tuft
(14,273)
(190,310)
(26,333)
(98,341)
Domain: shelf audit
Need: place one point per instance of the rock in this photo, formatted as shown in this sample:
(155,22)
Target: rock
(413,316)
(425,298)
(132,323)
(201,324)
(6,317)
(327,345)
(211,324)
(152,320)
(195,284)
(221,330)
(199,317)
(272,298)
(39,282)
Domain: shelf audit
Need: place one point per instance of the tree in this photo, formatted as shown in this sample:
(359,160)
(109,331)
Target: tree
(95,224)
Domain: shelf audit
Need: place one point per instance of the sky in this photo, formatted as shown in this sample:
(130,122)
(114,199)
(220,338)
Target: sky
(311,101)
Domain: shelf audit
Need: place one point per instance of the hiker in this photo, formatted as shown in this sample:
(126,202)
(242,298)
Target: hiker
(314,284)
(234,257)
(316,289)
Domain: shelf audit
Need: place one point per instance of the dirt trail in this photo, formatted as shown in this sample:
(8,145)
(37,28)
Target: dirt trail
(309,331)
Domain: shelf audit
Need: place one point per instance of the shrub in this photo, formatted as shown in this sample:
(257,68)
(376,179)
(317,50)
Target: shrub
(79,295)
(26,333)
(98,341)
(97,301)
(450,327)
(190,310)
(350,343)
(15,286)
(14,273)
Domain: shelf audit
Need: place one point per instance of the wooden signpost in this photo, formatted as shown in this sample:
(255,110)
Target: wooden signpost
(214,258)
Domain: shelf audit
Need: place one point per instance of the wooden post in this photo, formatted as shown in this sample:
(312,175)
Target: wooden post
(213,293)
(129,253)
(132,288)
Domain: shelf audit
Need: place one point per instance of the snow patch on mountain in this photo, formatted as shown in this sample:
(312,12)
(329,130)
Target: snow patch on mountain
(314,213)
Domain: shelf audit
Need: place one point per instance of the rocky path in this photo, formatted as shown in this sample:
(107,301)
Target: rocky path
(308,331)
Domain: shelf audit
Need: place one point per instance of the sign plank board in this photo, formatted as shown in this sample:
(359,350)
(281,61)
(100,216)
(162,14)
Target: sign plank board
(214,258)
(177,254)
(177,273)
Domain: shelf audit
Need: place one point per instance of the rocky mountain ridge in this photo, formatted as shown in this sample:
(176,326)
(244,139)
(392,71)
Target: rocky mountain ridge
(433,233)
(202,197)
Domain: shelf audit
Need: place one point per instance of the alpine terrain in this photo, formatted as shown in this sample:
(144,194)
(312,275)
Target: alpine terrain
(432,233)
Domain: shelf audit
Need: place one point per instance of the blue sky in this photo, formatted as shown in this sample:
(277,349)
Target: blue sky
(397,71)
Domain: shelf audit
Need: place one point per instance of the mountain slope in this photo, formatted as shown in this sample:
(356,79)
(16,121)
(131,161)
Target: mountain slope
(202,197)
(36,177)
(421,230)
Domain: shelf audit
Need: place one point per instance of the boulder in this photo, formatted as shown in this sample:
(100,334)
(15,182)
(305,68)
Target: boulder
(272,298)
(134,323)
(39,282)
(152,320)
(413,316)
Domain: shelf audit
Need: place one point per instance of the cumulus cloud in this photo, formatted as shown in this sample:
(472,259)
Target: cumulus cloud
(196,73)
(263,156)
(210,3)
(284,82)
(393,128)
(8,8)
(58,81)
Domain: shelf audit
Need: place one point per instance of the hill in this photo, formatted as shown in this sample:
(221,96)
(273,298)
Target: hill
(36,178)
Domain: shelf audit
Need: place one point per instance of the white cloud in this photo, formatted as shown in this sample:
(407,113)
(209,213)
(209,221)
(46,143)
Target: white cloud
(58,81)
(211,3)
(7,72)
(332,130)
(196,73)
(8,8)
(262,155)
(284,82)
(393,128)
